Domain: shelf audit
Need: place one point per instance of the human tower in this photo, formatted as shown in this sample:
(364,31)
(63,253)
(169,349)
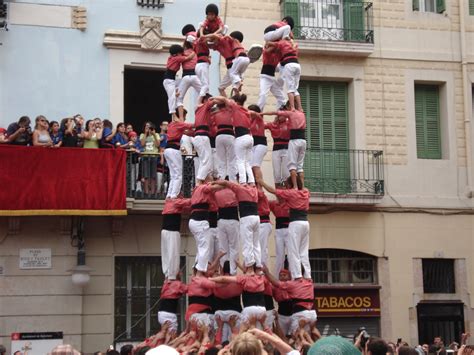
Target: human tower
(229,211)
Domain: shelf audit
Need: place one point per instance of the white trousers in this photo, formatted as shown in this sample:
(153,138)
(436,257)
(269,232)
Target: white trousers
(202,72)
(270,319)
(285,323)
(225,316)
(296,153)
(279,33)
(170,88)
(243,154)
(175,164)
(253,311)
(186,82)
(164,317)
(200,231)
(214,161)
(298,246)
(203,319)
(203,149)
(249,237)
(309,315)
(213,244)
(280,165)
(274,85)
(264,233)
(225,153)
(291,77)
(228,236)
(170,249)
(258,153)
(235,73)
(281,244)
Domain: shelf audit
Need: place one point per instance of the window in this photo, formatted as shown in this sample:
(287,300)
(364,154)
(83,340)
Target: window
(427,115)
(335,266)
(471,7)
(436,6)
(327,160)
(438,275)
(138,282)
(440,319)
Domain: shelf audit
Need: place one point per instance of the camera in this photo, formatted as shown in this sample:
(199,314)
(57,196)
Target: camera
(364,336)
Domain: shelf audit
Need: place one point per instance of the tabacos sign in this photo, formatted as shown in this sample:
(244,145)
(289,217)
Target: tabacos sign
(344,302)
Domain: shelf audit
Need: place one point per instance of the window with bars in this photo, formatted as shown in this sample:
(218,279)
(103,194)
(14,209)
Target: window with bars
(471,7)
(438,276)
(436,6)
(150,3)
(138,282)
(428,125)
(336,266)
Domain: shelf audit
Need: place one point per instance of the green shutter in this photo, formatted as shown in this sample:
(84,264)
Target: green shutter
(428,130)
(354,20)
(327,165)
(440,6)
(292,8)
(471,7)
(416,5)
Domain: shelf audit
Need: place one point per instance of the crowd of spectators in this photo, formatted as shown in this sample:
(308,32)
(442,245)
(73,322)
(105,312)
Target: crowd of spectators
(76,132)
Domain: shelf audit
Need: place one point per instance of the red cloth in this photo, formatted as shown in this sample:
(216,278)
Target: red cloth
(174,62)
(279,130)
(173,289)
(271,58)
(241,116)
(296,199)
(252,283)
(244,193)
(257,127)
(296,119)
(226,198)
(201,194)
(190,64)
(279,209)
(223,117)
(176,205)
(301,289)
(176,130)
(286,50)
(225,46)
(202,50)
(214,25)
(263,205)
(228,290)
(201,115)
(64,181)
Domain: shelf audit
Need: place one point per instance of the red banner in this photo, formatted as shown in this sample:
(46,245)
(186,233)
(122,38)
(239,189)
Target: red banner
(347,302)
(63,181)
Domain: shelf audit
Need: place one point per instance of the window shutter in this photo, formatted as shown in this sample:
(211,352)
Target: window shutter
(292,8)
(471,7)
(440,6)
(416,5)
(428,131)
(354,20)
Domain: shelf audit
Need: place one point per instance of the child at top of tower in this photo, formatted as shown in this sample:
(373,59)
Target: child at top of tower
(213,23)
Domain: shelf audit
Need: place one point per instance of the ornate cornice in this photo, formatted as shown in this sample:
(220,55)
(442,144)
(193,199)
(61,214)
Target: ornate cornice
(149,38)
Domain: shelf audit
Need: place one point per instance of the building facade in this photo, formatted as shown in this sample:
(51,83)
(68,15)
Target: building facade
(387,88)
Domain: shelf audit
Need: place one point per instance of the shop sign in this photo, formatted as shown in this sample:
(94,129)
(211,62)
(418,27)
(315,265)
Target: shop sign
(345,302)
(36,343)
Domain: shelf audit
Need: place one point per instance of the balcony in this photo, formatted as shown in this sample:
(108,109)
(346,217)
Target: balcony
(344,176)
(337,27)
(333,177)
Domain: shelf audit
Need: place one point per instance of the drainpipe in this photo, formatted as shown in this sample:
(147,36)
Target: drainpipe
(466,94)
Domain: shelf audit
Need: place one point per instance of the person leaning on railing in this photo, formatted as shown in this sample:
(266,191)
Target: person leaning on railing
(150,141)
(19,133)
(41,136)
(93,133)
(120,139)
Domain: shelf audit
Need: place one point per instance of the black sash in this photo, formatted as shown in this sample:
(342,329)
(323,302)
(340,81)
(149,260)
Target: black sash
(169,305)
(282,222)
(188,72)
(170,74)
(241,131)
(228,304)
(269,302)
(285,308)
(262,140)
(253,299)
(229,213)
(298,215)
(268,69)
(297,134)
(248,208)
(172,222)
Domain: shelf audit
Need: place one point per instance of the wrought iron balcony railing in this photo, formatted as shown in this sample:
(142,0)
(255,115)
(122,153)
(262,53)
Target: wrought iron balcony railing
(345,172)
(331,20)
(155,186)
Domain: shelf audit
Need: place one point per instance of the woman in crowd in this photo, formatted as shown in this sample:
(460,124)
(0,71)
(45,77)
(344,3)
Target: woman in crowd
(41,136)
(70,133)
(120,139)
(55,134)
(93,133)
(150,141)
(108,135)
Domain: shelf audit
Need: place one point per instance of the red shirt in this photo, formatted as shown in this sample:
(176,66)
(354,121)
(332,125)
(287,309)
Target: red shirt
(263,206)
(279,130)
(271,58)
(173,289)
(280,294)
(228,290)
(301,289)
(257,127)
(190,64)
(296,119)
(201,115)
(279,24)
(225,198)
(245,193)
(241,115)
(286,50)
(223,116)
(212,126)
(237,48)
(268,287)
(296,199)
(225,46)
(202,50)
(251,283)
(176,205)
(201,194)
(279,209)
(199,286)
(176,130)
(174,62)
(213,207)
(212,26)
